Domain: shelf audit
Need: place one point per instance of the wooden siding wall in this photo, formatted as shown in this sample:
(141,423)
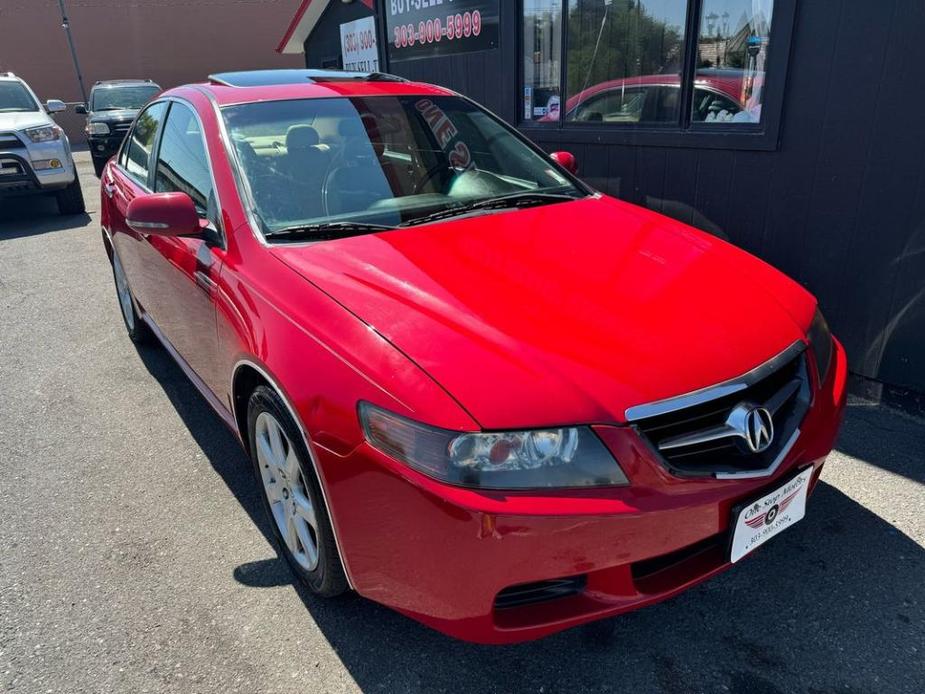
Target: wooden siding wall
(839,206)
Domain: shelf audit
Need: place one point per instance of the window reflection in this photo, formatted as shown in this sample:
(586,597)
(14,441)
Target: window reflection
(732,51)
(624,60)
(542,59)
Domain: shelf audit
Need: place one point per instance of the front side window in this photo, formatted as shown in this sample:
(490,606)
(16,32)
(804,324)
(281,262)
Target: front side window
(14,97)
(387,160)
(627,62)
(182,162)
(119,98)
(140,142)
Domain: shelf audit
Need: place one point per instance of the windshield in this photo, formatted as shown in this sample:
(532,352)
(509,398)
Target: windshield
(15,97)
(385,160)
(117,98)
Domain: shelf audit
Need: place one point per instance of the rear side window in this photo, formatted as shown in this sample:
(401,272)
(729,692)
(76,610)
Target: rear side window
(140,142)
(182,162)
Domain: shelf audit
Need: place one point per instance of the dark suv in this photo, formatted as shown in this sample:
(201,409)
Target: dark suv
(112,108)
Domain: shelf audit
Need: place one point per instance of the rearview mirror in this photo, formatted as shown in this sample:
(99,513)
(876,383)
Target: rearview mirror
(55,106)
(81,109)
(567,161)
(163,214)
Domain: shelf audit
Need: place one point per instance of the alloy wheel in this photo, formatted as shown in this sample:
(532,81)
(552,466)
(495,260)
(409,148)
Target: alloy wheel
(287,493)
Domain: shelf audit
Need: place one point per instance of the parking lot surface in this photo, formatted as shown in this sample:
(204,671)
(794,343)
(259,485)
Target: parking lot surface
(134,556)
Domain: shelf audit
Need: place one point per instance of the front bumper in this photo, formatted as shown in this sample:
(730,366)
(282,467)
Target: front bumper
(104,147)
(20,176)
(442,554)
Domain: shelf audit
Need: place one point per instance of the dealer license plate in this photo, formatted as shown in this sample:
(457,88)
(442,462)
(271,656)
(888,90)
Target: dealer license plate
(758,521)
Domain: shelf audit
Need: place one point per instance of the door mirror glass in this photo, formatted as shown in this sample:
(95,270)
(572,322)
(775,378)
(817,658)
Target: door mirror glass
(55,106)
(567,161)
(81,109)
(163,214)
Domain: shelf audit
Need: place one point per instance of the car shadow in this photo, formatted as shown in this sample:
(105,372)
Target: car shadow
(35,215)
(834,604)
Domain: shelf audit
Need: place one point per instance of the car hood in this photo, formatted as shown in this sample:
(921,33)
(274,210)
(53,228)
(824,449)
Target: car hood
(125,114)
(564,313)
(21,120)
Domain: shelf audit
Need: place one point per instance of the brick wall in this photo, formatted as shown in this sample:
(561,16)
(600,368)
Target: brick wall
(170,41)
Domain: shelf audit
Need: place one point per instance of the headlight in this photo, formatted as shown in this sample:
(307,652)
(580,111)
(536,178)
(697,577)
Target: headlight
(45,133)
(534,459)
(97,129)
(820,339)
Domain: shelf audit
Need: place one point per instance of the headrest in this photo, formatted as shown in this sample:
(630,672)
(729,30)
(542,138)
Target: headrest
(351,127)
(301,137)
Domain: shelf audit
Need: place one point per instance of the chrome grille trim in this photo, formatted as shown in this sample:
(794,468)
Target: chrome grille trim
(769,470)
(699,397)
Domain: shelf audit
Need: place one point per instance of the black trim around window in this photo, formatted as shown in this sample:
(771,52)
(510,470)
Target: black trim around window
(760,136)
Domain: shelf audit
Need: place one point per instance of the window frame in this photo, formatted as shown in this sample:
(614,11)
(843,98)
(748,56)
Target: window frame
(764,136)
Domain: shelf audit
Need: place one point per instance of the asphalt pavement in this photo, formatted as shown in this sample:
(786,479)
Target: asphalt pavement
(134,556)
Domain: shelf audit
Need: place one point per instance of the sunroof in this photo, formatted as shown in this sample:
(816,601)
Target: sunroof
(268,78)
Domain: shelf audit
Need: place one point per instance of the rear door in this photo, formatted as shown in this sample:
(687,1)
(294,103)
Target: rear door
(121,184)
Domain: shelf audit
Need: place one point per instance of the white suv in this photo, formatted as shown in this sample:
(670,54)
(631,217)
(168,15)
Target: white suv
(35,155)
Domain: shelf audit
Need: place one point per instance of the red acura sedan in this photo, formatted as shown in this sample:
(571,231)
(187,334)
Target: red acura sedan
(473,389)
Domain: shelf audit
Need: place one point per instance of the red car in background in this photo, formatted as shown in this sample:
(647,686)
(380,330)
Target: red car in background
(720,95)
(472,388)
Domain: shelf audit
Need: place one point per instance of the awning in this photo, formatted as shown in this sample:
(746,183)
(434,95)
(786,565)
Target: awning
(302,25)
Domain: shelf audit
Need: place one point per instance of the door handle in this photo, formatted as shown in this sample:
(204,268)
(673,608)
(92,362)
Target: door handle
(108,188)
(204,281)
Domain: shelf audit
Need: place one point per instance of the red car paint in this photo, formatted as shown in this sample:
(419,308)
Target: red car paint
(567,313)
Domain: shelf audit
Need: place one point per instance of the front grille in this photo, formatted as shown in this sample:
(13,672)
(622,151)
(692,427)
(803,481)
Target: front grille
(540,591)
(121,128)
(702,439)
(9,141)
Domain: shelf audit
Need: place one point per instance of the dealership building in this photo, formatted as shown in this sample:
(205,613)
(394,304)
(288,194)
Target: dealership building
(792,129)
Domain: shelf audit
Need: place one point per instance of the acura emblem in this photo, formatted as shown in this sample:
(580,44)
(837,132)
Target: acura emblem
(759,429)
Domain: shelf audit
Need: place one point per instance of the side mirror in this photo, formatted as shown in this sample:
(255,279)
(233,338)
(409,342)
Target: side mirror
(567,161)
(55,106)
(81,109)
(163,214)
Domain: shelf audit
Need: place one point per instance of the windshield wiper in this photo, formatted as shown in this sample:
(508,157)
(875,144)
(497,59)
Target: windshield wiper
(524,199)
(325,231)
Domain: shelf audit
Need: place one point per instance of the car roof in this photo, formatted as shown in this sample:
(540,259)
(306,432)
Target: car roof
(230,88)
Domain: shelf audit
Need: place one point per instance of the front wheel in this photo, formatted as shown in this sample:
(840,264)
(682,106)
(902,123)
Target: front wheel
(292,495)
(71,199)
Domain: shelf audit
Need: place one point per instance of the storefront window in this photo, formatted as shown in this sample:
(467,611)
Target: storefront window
(542,59)
(624,60)
(669,66)
(732,50)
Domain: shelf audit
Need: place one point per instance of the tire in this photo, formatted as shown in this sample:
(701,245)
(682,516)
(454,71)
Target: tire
(98,166)
(138,330)
(71,199)
(292,495)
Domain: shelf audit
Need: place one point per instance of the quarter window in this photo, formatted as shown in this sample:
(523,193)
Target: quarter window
(140,142)
(182,162)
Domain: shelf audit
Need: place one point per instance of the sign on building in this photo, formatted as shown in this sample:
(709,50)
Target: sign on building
(358,45)
(429,28)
